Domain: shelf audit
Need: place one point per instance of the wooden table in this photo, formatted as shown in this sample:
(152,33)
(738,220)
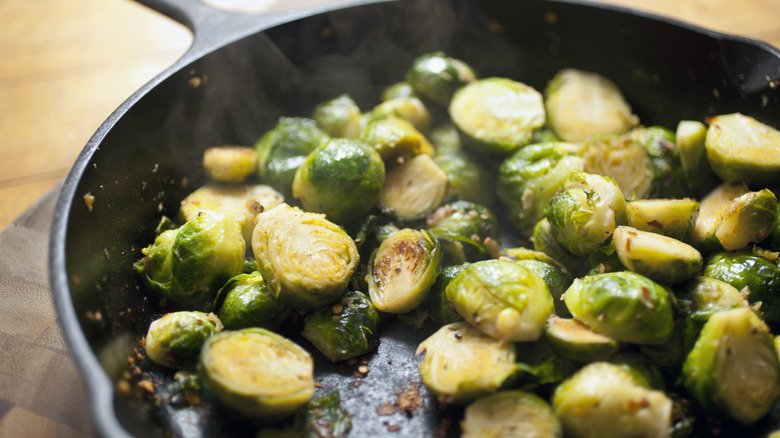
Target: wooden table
(66,64)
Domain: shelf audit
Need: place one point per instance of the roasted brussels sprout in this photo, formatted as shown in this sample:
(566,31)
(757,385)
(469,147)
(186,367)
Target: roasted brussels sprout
(436,76)
(573,340)
(306,260)
(555,275)
(510,414)
(156,265)
(470,178)
(238,202)
(755,275)
(230,163)
(733,366)
(245,301)
(403,269)
(623,305)
(283,148)
(461,363)
(530,177)
(411,109)
(661,146)
(346,329)
(497,115)
(503,299)
(257,373)
(413,189)
(584,216)
(439,308)
(732,217)
(341,178)
(740,148)
(622,158)
(603,399)
(175,339)
(395,139)
(660,258)
(468,232)
(339,117)
(696,168)
(544,241)
(707,295)
(675,218)
(582,104)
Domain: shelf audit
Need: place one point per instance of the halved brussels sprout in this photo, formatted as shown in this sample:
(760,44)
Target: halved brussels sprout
(751,273)
(468,232)
(439,308)
(603,399)
(661,146)
(413,189)
(470,178)
(575,341)
(403,269)
(733,366)
(530,177)
(497,115)
(175,339)
(740,148)
(437,76)
(503,299)
(584,216)
(691,135)
(411,109)
(510,414)
(622,305)
(245,301)
(257,373)
(675,218)
(341,178)
(238,202)
(655,256)
(230,163)
(283,148)
(555,275)
(306,260)
(732,217)
(582,104)
(395,139)
(339,117)
(622,158)
(461,363)
(346,329)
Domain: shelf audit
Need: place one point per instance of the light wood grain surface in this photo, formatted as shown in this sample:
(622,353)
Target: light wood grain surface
(66,64)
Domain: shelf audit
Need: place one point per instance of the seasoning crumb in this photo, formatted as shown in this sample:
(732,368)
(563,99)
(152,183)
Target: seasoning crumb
(89,200)
(352,361)
(94,316)
(146,385)
(363,369)
(123,387)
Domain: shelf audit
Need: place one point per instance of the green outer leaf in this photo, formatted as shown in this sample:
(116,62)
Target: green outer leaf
(344,330)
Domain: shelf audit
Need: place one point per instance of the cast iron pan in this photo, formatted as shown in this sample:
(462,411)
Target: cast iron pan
(244,71)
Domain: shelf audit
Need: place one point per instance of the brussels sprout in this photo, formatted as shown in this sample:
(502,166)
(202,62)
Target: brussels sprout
(470,178)
(655,256)
(306,260)
(257,373)
(230,163)
(530,177)
(468,232)
(503,299)
(175,339)
(575,341)
(245,301)
(544,241)
(348,328)
(437,76)
(675,218)
(413,189)
(582,104)
(622,305)
(283,148)
(740,148)
(439,308)
(584,216)
(339,117)
(603,399)
(622,158)
(497,115)
(156,265)
(708,295)
(395,139)
(510,414)
(696,168)
(732,217)
(461,363)
(341,178)
(398,89)
(238,202)
(411,109)
(660,144)
(555,275)
(403,269)
(733,367)
(752,274)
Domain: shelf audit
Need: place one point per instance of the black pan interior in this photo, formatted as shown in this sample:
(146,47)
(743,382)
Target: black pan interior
(148,159)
